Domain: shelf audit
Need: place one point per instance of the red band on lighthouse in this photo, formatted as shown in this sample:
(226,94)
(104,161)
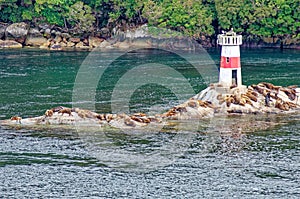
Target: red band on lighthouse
(230,62)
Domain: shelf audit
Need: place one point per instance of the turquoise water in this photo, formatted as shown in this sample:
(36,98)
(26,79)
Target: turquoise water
(213,163)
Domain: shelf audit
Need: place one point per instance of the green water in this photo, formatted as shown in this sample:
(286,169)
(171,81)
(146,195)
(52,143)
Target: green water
(63,164)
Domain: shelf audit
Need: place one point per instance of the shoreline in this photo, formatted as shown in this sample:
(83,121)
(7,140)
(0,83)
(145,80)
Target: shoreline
(21,35)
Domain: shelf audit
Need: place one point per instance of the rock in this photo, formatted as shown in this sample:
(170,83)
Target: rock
(105,33)
(62,44)
(17,32)
(65,35)
(10,44)
(123,45)
(35,38)
(46,45)
(104,44)
(58,33)
(47,33)
(44,26)
(74,39)
(86,42)
(70,44)
(56,47)
(81,45)
(53,32)
(142,43)
(58,39)
(95,41)
(2,30)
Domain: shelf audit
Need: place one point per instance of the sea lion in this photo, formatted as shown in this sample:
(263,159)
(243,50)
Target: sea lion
(233,86)
(146,120)
(136,119)
(205,104)
(280,104)
(229,99)
(292,87)
(242,101)
(292,105)
(274,95)
(101,116)
(291,93)
(270,86)
(109,117)
(251,96)
(83,113)
(58,108)
(65,110)
(258,89)
(16,118)
(170,113)
(129,122)
(49,113)
(192,104)
(181,109)
(140,114)
(247,99)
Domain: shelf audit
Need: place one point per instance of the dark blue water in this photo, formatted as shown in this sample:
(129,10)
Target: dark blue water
(212,162)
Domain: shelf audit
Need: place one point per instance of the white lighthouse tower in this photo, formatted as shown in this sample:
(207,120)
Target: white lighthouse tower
(230,67)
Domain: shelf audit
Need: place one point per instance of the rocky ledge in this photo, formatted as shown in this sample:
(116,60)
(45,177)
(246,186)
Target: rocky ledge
(49,37)
(263,98)
(52,38)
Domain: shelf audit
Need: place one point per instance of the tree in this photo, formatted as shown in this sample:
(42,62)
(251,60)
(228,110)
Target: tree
(190,17)
(80,16)
(236,14)
(53,11)
(276,18)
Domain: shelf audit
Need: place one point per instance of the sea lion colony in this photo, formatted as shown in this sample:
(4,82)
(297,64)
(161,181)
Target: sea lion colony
(256,99)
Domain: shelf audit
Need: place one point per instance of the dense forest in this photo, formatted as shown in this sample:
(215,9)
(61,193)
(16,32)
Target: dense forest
(196,18)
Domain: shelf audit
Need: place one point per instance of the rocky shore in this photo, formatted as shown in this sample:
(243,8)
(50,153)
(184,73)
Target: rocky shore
(19,35)
(216,100)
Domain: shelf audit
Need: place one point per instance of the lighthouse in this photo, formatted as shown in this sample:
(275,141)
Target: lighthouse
(230,66)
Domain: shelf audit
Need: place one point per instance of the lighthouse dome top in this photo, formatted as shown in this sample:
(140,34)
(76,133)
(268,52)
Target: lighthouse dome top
(229,38)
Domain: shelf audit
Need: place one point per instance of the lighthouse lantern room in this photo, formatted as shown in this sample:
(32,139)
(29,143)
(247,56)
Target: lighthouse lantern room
(230,67)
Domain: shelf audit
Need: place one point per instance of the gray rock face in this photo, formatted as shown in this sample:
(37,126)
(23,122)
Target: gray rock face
(10,44)
(2,30)
(35,38)
(17,32)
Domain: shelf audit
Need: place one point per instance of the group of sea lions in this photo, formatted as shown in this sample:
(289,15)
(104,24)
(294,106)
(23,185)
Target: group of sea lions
(261,98)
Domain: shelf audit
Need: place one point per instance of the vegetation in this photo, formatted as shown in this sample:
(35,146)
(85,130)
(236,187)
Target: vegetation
(262,18)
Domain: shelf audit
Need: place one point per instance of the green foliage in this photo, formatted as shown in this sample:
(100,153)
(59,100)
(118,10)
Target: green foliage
(53,11)
(81,17)
(275,18)
(190,17)
(263,18)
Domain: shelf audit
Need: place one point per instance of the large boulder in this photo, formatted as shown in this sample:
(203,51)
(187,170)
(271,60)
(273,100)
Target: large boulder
(74,39)
(81,45)
(56,47)
(35,38)
(105,33)
(10,44)
(104,44)
(2,30)
(95,41)
(17,32)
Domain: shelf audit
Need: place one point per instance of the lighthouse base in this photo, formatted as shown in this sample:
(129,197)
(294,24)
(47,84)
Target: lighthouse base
(230,77)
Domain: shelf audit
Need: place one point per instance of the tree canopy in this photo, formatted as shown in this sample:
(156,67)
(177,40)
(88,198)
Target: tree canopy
(263,18)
